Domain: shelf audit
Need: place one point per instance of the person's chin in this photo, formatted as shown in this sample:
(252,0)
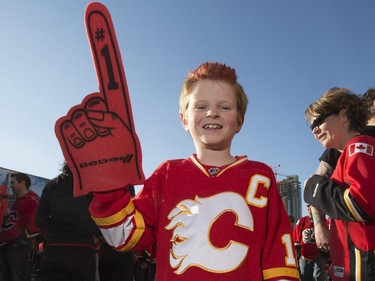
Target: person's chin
(328,145)
(325,143)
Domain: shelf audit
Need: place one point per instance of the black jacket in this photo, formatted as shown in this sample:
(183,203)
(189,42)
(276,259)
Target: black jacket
(65,218)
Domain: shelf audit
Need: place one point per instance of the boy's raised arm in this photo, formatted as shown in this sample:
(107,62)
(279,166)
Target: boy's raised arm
(98,137)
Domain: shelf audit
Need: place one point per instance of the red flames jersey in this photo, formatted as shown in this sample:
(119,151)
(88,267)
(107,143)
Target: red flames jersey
(355,240)
(304,236)
(21,219)
(349,199)
(227,225)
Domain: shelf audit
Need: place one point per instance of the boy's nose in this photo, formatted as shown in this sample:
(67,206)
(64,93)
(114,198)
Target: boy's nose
(212,113)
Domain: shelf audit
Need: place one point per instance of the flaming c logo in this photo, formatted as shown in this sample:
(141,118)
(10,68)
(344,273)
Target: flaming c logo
(191,221)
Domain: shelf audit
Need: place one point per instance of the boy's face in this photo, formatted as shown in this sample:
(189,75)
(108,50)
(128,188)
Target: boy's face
(212,117)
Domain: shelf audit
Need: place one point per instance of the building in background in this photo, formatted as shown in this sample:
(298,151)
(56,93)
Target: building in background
(290,192)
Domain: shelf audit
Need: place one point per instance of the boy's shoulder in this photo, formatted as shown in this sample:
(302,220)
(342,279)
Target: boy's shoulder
(190,160)
(174,163)
(257,164)
(242,163)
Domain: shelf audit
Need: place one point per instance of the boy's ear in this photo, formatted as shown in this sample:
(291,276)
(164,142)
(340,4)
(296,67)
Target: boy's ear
(240,122)
(183,122)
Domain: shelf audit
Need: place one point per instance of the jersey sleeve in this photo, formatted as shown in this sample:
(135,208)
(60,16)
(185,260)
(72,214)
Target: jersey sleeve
(127,223)
(120,223)
(359,196)
(349,199)
(327,196)
(27,216)
(297,234)
(278,258)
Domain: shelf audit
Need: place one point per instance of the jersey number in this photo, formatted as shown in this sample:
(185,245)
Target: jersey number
(255,182)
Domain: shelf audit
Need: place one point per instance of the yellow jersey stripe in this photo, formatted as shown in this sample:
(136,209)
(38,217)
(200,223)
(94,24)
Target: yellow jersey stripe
(351,207)
(357,264)
(280,271)
(115,218)
(140,228)
(239,161)
(199,165)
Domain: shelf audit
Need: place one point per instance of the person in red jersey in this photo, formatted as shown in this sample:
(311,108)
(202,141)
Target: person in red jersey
(327,163)
(338,120)
(311,260)
(213,215)
(18,233)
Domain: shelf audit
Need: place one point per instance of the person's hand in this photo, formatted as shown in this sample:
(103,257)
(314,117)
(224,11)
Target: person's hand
(322,236)
(320,227)
(98,137)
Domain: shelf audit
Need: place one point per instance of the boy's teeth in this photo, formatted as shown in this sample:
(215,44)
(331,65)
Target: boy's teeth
(212,127)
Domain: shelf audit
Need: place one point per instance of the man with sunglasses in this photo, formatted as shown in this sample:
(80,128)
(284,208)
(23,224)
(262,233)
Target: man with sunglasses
(339,120)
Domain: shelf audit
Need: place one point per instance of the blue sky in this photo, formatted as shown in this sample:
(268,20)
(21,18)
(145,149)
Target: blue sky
(287,53)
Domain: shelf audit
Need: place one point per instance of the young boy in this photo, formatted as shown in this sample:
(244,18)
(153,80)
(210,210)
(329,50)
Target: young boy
(339,118)
(212,216)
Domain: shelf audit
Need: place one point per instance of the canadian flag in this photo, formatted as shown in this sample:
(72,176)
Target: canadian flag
(360,147)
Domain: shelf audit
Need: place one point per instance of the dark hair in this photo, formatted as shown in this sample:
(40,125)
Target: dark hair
(368,99)
(21,177)
(65,171)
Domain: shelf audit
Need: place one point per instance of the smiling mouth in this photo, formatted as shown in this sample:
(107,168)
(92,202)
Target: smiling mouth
(321,137)
(212,126)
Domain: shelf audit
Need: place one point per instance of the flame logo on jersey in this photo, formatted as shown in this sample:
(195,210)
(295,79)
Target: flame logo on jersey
(308,236)
(191,221)
(10,220)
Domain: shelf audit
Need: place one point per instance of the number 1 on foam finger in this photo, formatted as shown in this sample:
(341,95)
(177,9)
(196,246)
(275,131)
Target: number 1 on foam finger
(112,84)
(108,63)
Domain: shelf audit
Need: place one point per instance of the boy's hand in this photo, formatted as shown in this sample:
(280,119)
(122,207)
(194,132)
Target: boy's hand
(98,137)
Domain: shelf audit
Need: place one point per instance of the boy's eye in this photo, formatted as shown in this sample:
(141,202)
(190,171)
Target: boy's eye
(225,107)
(200,107)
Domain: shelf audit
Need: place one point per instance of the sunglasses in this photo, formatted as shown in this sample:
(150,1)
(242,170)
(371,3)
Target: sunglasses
(320,120)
